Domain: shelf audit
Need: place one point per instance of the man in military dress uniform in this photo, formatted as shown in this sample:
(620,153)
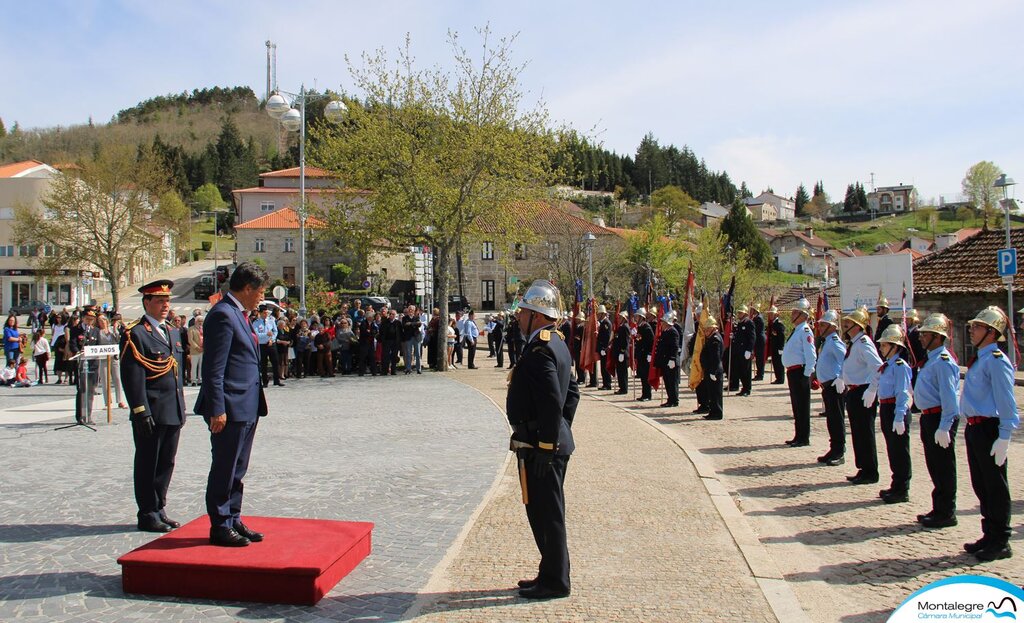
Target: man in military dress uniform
(152,370)
(87,335)
(799,357)
(742,351)
(644,349)
(541,404)
(759,339)
(935,393)
(711,363)
(604,342)
(666,360)
(883,317)
(620,353)
(776,342)
(987,402)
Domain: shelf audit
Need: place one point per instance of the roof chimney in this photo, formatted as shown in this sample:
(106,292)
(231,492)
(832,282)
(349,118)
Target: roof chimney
(809,232)
(599,221)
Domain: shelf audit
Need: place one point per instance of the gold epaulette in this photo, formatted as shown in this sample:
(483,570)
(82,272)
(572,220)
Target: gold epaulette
(545,335)
(998,354)
(899,362)
(130,325)
(944,356)
(560,334)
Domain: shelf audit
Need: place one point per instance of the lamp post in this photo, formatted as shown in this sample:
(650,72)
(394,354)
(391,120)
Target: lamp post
(1007,183)
(588,240)
(295,119)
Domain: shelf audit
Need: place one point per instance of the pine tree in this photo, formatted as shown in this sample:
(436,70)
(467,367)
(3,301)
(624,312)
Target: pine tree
(744,191)
(801,198)
(738,227)
(3,130)
(862,197)
(819,189)
(850,200)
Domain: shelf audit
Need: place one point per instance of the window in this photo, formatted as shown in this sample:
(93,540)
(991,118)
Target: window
(28,250)
(520,251)
(6,213)
(289,245)
(7,250)
(488,251)
(552,250)
(487,294)
(266,206)
(49,250)
(260,245)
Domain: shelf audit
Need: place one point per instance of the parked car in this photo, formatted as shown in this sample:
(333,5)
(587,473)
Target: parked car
(459,303)
(25,307)
(204,288)
(223,272)
(378,302)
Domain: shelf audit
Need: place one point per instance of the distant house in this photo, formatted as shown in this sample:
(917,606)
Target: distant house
(893,199)
(915,246)
(943,241)
(785,209)
(803,261)
(280,189)
(781,241)
(763,212)
(711,213)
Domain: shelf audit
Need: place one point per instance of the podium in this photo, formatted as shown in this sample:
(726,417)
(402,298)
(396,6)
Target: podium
(83,406)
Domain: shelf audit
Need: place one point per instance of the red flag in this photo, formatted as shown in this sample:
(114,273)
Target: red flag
(768,336)
(653,375)
(911,359)
(215,298)
(588,354)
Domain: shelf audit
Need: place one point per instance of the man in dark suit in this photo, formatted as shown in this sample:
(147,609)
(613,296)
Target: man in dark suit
(776,342)
(499,339)
(882,308)
(711,362)
(620,353)
(541,404)
(231,401)
(85,334)
(644,349)
(759,339)
(667,360)
(152,369)
(604,341)
(742,350)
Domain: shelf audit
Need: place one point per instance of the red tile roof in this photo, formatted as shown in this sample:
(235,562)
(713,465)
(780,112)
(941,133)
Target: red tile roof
(18,169)
(968,267)
(543,217)
(285,218)
(295,191)
(795,293)
(294,172)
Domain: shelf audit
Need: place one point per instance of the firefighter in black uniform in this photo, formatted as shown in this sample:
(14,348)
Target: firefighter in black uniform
(711,362)
(759,339)
(666,359)
(620,353)
(883,317)
(86,335)
(541,404)
(604,342)
(742,351)
(776,342)
(643,349)
(918,353)
(152,373)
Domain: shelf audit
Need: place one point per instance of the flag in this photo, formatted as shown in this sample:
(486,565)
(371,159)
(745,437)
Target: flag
(215,298)
(768,337)
(726,314)
(912,360)
(588,354)
(572,333)
(688,314)
(609,362)
(579,290)
(653,375)
(696,371)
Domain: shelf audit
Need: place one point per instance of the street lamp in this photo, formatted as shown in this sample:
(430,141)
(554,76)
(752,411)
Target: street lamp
(295,119)
(1007,183)
(588,241)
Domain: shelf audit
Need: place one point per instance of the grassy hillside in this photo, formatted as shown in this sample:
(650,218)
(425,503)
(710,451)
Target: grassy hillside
(865,236)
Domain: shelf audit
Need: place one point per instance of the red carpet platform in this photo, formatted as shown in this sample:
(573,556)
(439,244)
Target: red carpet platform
(299,562)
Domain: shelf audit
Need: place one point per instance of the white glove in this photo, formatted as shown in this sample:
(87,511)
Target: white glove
(671,364)
(942,438)
(999,449)
(602,353)
(900,427)
(869,398)
(648,359)
(780,352)
(839,385)
(746,355)
(622,357)
(714,378)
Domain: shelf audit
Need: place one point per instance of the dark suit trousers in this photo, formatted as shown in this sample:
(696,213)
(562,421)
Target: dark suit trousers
(834,418)
(499,351)
(642,370)
(941,463)
(713,395)
(84,395)
(989,480)
(546,513)
(606,374)
(759,359)
(862,432)
(622,372)
(471,352)
(897,447)
(231,449)
(800,399)
(671,379)
(154,465)
(269,353)
(777,369)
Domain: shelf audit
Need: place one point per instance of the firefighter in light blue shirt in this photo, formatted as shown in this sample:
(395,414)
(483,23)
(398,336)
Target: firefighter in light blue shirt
(799,357)
(894,411)
(859,368)
(826,372)
(935,393)
(988,404)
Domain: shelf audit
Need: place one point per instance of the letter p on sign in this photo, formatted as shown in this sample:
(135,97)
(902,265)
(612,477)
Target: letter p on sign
(1006,262)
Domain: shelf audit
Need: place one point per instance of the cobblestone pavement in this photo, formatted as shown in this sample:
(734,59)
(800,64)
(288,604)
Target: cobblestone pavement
(847,556)
(645,540)
(414,454)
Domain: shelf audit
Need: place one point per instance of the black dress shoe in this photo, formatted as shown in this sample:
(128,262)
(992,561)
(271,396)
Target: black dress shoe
(540,592)
(700,410)
(825,458)
(938,521)
(169,522)
(643,399)
(241,528)
(527,583)
(621,393)
(885,492)
(153,525)
(743,394)
(790,442)
(855,476)
(864,480)
(712,417)
(226,537)
(995,551)
(278,384)
(896,497)
(799,444)
(977,546)
(836,460)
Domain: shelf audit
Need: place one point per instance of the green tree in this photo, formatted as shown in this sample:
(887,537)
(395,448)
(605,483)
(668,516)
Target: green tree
(652,252)
(978,188)
(862,197)
(850,200)
(236,162)
(207,199)
(438,151)
(801,199)
(675,205)
(741,232)
(173,214)
(98,217)
(744,191)
(3,129)
(716,261)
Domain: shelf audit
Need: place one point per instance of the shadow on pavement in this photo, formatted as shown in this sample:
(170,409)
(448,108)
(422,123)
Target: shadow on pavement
(765,470)
(883,570)
(812,508)
(738,449)
(30,533)
(867,617)
(42,585)
(789,490)
(853,534)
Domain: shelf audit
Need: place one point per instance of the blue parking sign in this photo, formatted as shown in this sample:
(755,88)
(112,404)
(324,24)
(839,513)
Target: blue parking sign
(1006,261)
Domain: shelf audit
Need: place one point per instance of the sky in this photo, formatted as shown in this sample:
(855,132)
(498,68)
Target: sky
(775,93)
